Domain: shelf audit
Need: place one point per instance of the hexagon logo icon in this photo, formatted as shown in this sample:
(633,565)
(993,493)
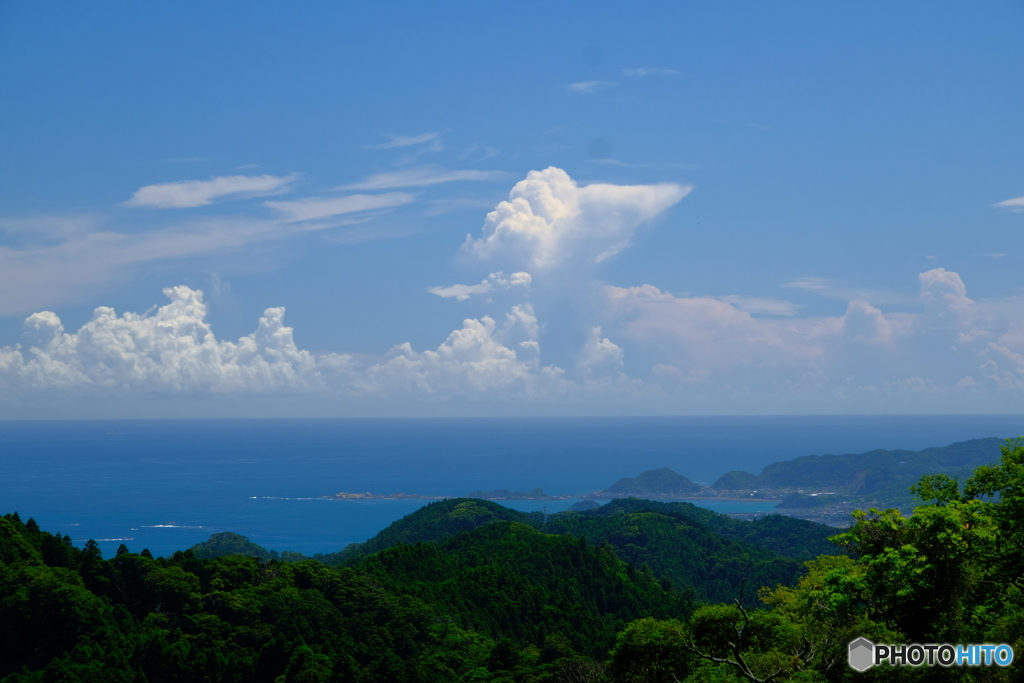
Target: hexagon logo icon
(862,654)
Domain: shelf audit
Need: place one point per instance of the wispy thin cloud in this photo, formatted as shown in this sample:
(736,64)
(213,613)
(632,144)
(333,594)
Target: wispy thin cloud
(1016,204)
(810,283)
(761,304)
(39,277)
(405,141)
(436,207)
(50,227)
(408,159)
(644,73)
(192,193)
(589,87)
(832,289)
(45,276)
(420,176)
(625,164)
(480,152)
(319,207)
(369,234)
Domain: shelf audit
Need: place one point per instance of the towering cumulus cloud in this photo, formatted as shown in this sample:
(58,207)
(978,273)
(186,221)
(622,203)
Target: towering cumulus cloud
(548,219)
(171,350)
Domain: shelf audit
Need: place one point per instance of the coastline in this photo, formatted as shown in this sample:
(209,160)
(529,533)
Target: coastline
(594,495)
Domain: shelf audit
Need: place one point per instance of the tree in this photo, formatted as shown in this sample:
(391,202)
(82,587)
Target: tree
(761,647)
(651,651)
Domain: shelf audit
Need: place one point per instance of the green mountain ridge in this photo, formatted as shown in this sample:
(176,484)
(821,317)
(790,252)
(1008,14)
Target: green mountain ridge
(694,548)
(688,545)
(864,473)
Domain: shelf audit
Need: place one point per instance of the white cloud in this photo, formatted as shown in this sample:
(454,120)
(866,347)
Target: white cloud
(1015,204)
(493,282)
(420,176)
(480,359)
(549,220)
(704,335)
(588,87)
(867,324)
(715,355)
(405,140)
(707,337)
(599,355)
(173,350)
(461,292)
(320,207)
(192,193)
(943,291)
(643,73)
(864,357)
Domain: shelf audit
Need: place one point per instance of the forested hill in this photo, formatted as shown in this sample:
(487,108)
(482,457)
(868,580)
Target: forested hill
(701,549)
(433,522)
(796,538)
(509,578)
(228,543)
(865,473)
(655,482)
(691,546)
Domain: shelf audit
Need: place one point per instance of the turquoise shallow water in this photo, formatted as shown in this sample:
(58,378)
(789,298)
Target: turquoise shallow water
(166,485)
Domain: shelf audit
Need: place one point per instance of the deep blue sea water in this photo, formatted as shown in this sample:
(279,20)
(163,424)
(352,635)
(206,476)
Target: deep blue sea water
(166,485)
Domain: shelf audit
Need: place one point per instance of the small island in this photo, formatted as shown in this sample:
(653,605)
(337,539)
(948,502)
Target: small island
(344,495)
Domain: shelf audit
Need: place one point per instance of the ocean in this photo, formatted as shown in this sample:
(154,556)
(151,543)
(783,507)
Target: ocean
(168,484)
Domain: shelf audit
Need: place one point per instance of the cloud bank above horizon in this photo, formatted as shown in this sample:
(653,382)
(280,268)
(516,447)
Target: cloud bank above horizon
(635,344)
(710,348)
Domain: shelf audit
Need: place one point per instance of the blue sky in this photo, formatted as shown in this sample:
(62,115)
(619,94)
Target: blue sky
(510,208)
